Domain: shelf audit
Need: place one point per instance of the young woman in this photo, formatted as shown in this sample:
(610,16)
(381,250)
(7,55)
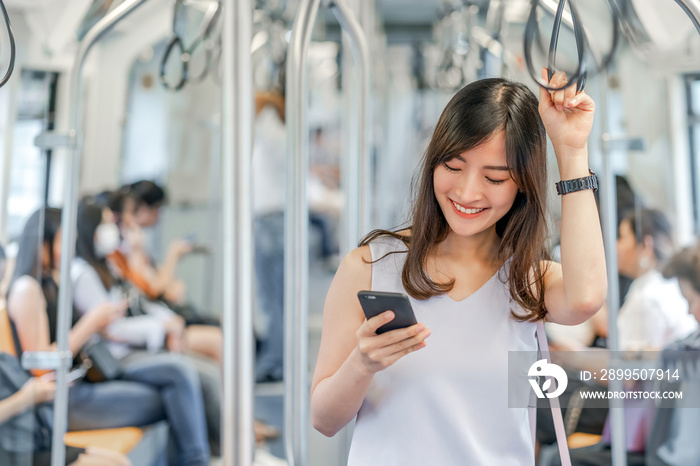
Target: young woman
(159,387)
(473,262)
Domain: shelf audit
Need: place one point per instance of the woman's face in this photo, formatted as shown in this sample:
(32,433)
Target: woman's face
(57,249)
(692,296)
(475,189)
(627,251)
(146,216)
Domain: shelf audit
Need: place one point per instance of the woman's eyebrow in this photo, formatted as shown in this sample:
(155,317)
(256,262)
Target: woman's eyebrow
(497,167)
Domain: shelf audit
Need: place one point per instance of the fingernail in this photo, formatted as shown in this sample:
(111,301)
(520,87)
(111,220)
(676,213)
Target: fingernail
(427,333)
(567,102)
(420,328)
(573,102)
(560,108)
(388,315)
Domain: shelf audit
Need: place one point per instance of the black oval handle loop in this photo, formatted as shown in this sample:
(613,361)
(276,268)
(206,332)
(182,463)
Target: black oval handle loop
(183,58)
(208,50)
(582,43)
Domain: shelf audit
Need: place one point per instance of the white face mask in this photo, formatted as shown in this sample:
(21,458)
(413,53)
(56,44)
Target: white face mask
(106,239)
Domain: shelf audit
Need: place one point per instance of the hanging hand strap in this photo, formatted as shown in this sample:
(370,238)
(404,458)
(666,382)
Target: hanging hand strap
(554,402)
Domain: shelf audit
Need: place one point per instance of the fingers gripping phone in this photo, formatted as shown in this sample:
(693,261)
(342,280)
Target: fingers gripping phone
(375,302)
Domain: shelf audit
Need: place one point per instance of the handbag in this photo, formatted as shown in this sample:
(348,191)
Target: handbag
(100,365)
(30,430)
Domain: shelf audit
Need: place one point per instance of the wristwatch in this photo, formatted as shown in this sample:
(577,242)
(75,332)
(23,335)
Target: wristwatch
(578,184)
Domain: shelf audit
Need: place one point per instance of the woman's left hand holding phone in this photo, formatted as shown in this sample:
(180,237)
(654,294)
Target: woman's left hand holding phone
(377,352)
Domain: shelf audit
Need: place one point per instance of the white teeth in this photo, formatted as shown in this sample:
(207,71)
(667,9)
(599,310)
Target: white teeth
(466,211)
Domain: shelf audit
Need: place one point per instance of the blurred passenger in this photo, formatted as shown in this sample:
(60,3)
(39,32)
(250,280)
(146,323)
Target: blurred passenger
(654,312)
(653,316)
(141,209)
(151,389)
(673,436)
(132,263)
(151,327)
(19,428)
(269,200)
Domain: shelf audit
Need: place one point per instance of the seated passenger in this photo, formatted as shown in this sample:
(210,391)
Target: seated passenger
(654,312)
(141,209)
(16,406)
(654,315)
(150,328)
(151,389)
(202,335)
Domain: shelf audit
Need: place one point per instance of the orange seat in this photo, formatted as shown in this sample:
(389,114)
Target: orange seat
(580,440)
(121,440)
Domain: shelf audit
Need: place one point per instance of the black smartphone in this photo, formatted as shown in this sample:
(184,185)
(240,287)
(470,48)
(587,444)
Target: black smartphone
(200,249)
(375,302)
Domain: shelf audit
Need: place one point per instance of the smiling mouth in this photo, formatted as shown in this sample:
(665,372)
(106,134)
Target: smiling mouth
(465,210)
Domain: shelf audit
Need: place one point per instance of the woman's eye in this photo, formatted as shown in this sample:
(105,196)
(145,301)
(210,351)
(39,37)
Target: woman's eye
(450,168)
(494,181)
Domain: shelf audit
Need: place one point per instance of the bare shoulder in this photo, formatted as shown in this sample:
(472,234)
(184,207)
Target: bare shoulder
(25,296)
(24,287)
(356,267)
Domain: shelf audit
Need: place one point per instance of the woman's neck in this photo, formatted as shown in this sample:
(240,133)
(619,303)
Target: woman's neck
(481,248)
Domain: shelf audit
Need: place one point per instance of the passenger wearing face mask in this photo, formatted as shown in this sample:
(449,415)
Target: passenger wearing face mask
(151,326)
(93,283)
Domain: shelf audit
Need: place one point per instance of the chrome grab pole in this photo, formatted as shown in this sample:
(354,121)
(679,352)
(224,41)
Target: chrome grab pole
(236,150)
(69,222)
(359,186)
(296,224)
(692,9)
(608,208)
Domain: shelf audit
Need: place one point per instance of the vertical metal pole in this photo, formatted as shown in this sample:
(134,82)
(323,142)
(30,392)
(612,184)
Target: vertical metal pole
(69,221)
(608,207)
(360,160)
(9,100)
(236,146)
(296,256)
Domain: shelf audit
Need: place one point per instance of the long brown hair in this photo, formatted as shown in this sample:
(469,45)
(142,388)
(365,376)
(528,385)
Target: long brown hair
(473,115)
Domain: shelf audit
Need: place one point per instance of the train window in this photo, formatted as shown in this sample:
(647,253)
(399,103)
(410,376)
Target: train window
(30,168)
(692,82)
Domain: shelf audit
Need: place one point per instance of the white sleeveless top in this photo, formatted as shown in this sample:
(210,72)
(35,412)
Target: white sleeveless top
(447,404)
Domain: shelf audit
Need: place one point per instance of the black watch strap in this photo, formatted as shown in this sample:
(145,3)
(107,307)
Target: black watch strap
(578,184)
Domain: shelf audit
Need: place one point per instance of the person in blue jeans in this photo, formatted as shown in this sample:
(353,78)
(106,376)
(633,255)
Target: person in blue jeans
(153,388)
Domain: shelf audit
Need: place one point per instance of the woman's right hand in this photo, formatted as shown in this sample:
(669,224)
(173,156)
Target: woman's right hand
(106,313)
(377,352)
(37,390)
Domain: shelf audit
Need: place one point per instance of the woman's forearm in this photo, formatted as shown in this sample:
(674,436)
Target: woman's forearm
(336,399)
(582,253)
(13,405)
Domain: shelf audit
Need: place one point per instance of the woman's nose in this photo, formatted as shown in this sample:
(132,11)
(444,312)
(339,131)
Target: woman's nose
(469,190)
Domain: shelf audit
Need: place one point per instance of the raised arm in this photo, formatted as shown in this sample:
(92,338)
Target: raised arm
(351,351)
(576,289)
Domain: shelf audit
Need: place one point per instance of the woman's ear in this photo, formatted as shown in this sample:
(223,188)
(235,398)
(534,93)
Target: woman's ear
(648,243)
